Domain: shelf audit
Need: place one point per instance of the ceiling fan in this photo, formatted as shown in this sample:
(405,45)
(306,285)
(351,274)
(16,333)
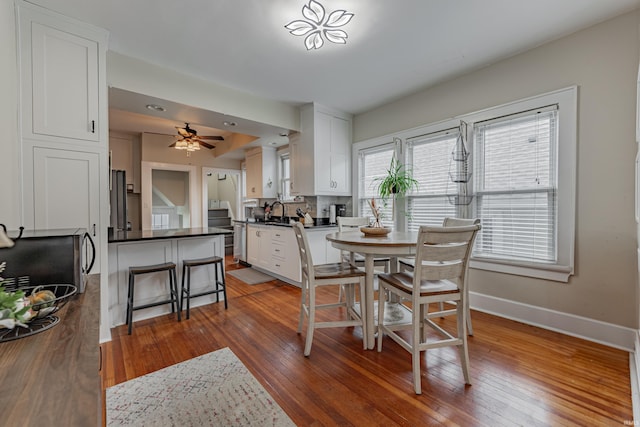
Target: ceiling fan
(190,140)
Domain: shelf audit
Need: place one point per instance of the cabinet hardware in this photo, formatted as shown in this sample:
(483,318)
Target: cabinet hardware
(93,126)
(94,230)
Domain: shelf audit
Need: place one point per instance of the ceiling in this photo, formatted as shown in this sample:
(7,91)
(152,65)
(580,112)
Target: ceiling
(393,48)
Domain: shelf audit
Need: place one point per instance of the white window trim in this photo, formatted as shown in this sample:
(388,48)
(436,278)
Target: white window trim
(567,99)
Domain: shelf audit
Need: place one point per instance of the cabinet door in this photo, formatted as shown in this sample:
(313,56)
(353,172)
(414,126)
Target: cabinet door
(322,135)
(340,155)
(64,83)
(66,192)
(253,245)
(254,175)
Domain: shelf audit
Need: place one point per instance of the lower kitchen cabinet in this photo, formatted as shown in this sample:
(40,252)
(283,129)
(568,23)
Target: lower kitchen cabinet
(275,249)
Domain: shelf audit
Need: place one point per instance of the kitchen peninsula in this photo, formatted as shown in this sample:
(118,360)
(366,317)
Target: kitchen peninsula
(147,247)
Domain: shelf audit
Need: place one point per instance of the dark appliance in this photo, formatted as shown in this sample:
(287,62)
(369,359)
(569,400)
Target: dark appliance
(341,210)
(43,257)
(118,200)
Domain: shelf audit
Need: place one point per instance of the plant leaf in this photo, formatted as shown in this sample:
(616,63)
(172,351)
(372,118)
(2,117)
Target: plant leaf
(338,18)
(300,28)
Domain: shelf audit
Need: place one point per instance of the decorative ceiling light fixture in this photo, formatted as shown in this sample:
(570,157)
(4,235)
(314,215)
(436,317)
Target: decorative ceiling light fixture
(316,26)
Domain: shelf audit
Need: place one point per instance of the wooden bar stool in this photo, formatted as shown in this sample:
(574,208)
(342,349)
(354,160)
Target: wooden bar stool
(219,282)
(173,289)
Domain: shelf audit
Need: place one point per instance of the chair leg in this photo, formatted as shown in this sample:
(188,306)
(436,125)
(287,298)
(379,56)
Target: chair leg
(382,297)
(130,302)
(310,322)
(363,314)
(415,348)
(223,282)
(464,350)
(468,313)
(303,300)
(173,281)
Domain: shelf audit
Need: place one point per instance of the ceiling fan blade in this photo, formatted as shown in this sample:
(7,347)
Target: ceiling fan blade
(206,145)
(212,137)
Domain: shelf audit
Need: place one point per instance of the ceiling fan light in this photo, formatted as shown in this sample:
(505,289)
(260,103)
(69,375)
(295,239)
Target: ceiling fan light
(182,145)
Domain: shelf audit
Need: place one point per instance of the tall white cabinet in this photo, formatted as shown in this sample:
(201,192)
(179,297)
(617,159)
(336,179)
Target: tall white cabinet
(64,132)
(321,154)
(262,175)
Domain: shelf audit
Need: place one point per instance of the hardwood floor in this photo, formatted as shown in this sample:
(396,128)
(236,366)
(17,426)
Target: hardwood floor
(521,375)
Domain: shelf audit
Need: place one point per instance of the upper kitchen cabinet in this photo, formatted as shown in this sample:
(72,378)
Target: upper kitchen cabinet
(262,176)
(321,158)
(63,78)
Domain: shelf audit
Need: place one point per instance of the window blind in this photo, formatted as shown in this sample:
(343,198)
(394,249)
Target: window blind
(429,158)
(374,163)
(516,186)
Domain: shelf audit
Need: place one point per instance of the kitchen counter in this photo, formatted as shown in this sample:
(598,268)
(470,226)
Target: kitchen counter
(286,224)
(52,377)
(132,236)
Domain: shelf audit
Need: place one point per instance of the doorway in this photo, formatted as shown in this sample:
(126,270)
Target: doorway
(175,202)
(221,188)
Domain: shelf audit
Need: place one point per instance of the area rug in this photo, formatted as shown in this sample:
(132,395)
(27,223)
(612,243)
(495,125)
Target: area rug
(251,276)
(214,389)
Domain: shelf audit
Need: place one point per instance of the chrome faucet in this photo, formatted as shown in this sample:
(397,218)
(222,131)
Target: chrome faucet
(284,209)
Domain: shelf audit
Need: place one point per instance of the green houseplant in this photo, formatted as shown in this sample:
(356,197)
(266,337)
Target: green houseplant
(397,182)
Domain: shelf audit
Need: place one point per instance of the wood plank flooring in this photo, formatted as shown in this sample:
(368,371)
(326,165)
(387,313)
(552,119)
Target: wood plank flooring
(521,375)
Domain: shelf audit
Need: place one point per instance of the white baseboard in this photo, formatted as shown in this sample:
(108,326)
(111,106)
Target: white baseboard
(597,331)
(634,368)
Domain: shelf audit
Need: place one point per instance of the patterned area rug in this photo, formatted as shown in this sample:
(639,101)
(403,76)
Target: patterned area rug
(251,276)
(214,389)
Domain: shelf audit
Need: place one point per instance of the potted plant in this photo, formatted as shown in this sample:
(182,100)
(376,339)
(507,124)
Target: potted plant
(398,181)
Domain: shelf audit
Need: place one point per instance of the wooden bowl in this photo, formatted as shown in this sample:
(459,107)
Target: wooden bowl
(375,231)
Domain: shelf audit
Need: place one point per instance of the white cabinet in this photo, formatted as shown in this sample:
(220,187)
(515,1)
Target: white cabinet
(321,160)
(285,258)
(61,77)
(261,173)
(66,192)
(322,251)
(259,246)
(63,110)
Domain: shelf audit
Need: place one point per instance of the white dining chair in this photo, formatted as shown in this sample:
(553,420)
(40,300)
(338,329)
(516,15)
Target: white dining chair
(335,274)
(440,267)
(406,264)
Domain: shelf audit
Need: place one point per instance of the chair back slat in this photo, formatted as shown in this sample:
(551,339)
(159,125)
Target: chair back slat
(306,261)
(443,253)
(345,223)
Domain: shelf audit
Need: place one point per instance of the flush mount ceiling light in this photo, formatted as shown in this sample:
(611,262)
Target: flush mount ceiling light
(154,107)
(315,26)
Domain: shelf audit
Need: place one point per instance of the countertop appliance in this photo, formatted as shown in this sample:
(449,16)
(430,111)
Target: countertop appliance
(332,214)
(42,257)
(341,210)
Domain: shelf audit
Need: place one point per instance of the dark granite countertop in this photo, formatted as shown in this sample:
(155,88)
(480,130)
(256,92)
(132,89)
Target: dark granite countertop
(132,236)
(285,224)
(26,234)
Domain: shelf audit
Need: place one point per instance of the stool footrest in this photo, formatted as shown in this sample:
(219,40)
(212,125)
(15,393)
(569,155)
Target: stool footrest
(153,304)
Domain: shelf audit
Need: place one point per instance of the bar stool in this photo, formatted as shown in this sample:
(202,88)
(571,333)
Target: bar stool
(219,282)
(173,289)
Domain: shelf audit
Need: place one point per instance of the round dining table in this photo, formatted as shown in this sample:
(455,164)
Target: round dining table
(393,245)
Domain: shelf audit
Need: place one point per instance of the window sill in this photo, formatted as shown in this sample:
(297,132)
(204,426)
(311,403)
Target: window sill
(556,273)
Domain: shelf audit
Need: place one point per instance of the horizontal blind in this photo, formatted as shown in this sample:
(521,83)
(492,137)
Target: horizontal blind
(373,163)
(429,158)
(516,186)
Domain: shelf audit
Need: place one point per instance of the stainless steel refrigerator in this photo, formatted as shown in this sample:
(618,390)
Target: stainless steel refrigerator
(118,200)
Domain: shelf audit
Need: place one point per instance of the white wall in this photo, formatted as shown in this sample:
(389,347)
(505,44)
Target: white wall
(10,191)
(603,62)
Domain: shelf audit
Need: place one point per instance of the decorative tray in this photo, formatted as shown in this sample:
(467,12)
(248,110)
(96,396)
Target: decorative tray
(375,231)
(44,309)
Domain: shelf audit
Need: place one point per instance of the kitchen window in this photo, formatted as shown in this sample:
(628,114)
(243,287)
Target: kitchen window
(284,171)
(522,168)
(373,163)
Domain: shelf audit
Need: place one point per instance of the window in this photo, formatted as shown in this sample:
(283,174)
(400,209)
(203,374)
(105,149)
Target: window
(522,185)
(285,177)
(516,186)
(429,158)
(373,163)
